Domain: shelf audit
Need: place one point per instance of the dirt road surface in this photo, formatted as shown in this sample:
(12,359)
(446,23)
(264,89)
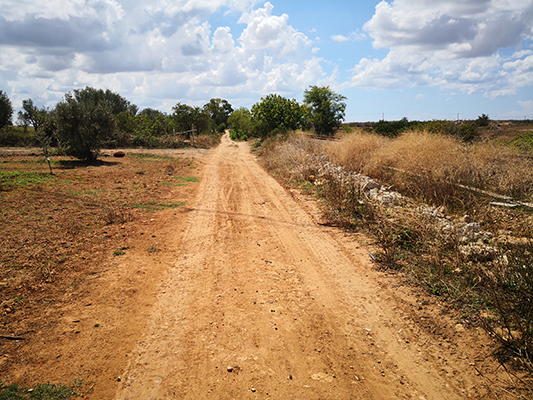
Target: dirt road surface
(261,303)
(251,298)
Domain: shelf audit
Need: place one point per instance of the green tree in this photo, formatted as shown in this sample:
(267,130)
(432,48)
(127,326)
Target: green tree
(185,117)
(240,124)
(325,109)
(483,120)
(152,114)
(219,110)
(115,102)
(6,110)
(274,113)
(84,122)
(33,115)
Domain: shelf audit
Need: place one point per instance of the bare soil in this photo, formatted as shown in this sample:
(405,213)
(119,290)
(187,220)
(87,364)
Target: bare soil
(239,294)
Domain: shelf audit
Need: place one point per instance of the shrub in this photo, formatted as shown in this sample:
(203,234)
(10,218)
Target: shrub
(238,134)
(84,123)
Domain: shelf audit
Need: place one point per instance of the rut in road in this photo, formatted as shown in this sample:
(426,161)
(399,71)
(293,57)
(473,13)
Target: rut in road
(263,303)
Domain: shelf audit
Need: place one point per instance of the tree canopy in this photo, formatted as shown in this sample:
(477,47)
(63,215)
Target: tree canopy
(219,110)
(275,112)
(33,115)
(325,109)
(85,121)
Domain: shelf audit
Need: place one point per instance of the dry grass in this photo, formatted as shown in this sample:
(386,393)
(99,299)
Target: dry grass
(428,166)
(293,160)
(499,168)
(355,151)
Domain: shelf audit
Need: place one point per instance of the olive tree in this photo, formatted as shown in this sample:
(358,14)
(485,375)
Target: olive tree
(325,109)
(84,121)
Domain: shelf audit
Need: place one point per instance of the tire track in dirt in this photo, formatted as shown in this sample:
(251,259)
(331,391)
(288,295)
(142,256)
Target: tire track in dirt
(263,303)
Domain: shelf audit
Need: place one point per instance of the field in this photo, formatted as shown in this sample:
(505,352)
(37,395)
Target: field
(193,273)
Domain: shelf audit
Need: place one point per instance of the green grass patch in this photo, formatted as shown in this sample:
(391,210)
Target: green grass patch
(150,156)
(188,178)
(45,391)
(12,179)
(155,206)
(171,184)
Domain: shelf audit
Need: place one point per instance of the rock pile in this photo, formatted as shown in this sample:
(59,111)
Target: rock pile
(474,243)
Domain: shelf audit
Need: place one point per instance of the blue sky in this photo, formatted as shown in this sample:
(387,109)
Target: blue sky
(420,59)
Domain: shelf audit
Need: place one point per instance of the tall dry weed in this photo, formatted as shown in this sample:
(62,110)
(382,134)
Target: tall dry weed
(355,152)
(292,158)
(498,168)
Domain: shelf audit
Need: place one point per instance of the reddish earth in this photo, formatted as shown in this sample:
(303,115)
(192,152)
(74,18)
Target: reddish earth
(248,296)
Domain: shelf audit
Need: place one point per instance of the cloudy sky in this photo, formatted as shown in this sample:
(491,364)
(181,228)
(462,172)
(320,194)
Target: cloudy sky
(420,59)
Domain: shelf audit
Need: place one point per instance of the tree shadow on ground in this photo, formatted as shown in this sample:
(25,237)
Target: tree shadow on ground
(72,164)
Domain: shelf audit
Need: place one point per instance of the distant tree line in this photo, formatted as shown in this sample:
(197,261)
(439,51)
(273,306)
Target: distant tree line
(464,130)
(90,119)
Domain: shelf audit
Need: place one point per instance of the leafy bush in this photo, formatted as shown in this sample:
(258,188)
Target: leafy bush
(238,134)
(84,122)
(276,113)
(392,129)
(325,109)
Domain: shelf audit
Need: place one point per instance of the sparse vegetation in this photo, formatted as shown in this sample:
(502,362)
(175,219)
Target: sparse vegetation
(52,224)
(443,235)
(45,391)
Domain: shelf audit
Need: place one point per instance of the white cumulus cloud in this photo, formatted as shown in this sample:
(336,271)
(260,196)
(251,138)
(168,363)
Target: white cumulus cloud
(451,44)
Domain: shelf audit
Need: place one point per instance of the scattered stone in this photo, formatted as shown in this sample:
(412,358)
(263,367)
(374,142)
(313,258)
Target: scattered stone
(119,154)
(229,368)
(499,204)
(477,252)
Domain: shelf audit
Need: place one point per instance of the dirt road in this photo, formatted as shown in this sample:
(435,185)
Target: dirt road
(243,295)
(263,303)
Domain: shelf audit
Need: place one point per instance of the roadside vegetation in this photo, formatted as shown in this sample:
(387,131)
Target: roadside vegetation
(88,120)
(451,214)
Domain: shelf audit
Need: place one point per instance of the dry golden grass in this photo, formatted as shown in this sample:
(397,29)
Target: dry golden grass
(293,159)
(497,167)
(354,151)
(429,166)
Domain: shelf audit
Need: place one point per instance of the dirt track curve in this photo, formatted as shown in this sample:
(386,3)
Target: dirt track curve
(261,302)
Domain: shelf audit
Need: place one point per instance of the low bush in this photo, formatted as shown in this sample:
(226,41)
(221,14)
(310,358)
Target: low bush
(18,136)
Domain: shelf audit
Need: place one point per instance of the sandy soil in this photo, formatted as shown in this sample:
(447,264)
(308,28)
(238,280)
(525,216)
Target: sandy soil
(250,297)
